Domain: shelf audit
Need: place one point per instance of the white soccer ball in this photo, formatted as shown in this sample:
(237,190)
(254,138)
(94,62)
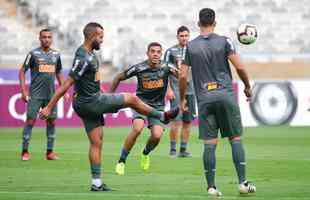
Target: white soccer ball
(247,33)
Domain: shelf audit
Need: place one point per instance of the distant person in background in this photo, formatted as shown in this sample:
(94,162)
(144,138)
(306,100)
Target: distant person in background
(209,55)
(44,64)
(184,120)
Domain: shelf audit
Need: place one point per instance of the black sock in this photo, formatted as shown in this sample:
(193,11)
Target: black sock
(209,162)
(150,146)
(238,155)
(26,137)
(123,157)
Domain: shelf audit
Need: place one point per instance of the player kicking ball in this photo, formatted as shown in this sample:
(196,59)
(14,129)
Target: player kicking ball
(152,81)
(90,103)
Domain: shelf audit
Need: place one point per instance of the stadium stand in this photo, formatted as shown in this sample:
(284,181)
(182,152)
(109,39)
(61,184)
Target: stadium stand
(283,26)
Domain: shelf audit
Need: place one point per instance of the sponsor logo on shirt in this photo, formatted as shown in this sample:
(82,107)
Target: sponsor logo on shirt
(46,68)
(153,84)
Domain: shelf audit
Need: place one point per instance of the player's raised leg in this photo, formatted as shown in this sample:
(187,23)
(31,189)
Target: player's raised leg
(137,127)
(138,105)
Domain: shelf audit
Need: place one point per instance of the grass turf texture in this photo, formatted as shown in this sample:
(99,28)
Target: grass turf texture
(278,162)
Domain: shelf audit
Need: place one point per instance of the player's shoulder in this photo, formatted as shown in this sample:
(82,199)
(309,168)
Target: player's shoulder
(138,67)
(55,52)
(223,38)
(172,48)
(141,66)
(193,42)
(35,51)
(81,54)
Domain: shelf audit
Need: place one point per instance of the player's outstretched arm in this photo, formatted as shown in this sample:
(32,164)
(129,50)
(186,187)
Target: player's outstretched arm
(44,113)
(242,73)
(115,82)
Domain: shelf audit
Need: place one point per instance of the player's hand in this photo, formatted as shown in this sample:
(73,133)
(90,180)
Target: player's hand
(44,113)
(170,95)
(248,93)
(184,106)
(25,96)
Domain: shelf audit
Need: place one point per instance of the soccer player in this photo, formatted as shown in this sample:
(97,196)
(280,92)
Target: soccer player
(208,55)
(152,81)
(183,121)
(44,64)
(90,104)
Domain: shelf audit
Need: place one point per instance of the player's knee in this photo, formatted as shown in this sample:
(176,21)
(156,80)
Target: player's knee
(235,138)
(186,125)
(30,122)
(50,122)
(175,126)
(156,135)
(137,130)
(96,143)
(211,141)
(131,99)
(186,129)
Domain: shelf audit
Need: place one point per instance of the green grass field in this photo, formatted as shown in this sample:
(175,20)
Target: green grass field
(278,160)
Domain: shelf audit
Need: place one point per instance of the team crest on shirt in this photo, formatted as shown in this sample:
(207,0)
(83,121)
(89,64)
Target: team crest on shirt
(161,73)
(54,59)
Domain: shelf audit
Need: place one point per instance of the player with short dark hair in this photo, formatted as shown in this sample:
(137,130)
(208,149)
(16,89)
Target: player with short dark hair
(152,81)
(208,55)
(183,121)
(90,104)
(44,64)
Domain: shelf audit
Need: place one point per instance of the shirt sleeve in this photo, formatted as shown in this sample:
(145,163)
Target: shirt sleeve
(170,69)
(229,47)
(28,62)
(167,56)
(79,67)
(131,71)
(58,65)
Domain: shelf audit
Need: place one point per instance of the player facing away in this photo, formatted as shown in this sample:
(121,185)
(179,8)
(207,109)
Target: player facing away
(44,64)
(152,81)
(208,55)
(183,121)
(90,103)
